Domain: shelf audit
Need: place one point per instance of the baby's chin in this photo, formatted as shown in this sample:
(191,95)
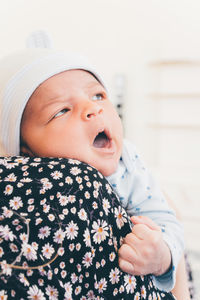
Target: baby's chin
(108,170)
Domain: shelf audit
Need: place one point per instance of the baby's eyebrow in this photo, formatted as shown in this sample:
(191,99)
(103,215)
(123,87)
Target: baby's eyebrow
(95,83)
(52,101)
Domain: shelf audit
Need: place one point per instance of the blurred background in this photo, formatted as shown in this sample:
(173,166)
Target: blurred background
(149,54)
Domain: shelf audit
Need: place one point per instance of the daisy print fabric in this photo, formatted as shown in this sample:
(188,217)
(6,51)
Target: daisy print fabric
(61,226)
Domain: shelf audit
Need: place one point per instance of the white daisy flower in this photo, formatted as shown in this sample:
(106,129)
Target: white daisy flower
(72,230)
(31,208)
(115,292)
(5,269)
(143,292)
(100,230)
(41,282)
(22,160)
(10,165)
(49,275)
(11,177)
(52,292)
(3,295)
(108,188)
(95,194)
(103,262)
(159,297)
(94,205)
(47,185)
(137,296)
(112,256)
(65,211)
(120,215)
(87,259)
(38,221)
(71,247)
(75,171)
(86,178)
(90,295)
(63,200)
(102,285)
(82,214)
(8,189)
(29,252)
(87,195)
(61,251)
(154,296)
(106,206)
(47,250)
(26,180)
(96,185)
(68,180)
(78,246)
(23,237)
(88,184)
(30,201)
(79,179)
(51,217)
(63,273)
(16,203)
(59,236)
(6,233)
(73,210)
(44,180)
(13,247)
(68,289)
(44,232)
(62,265)
(7,212)
(35,293)
(1,253)
(77,290)
(23,279)
(87,239)
(74,278)
(74,161)
(71,198)
(130,283)
(56,175)
(46,208)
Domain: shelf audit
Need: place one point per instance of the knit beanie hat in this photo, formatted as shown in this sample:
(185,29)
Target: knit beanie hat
(20,74)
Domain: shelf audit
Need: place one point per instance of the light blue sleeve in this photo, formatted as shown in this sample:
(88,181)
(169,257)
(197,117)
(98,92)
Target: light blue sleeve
(145,198)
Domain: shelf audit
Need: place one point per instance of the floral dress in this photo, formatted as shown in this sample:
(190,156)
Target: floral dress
(61,226)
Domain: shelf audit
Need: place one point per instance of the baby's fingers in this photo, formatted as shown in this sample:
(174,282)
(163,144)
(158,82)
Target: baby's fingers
(126,256)
(145,221)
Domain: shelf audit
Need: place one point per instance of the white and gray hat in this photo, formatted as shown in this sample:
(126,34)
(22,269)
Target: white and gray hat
(21,73)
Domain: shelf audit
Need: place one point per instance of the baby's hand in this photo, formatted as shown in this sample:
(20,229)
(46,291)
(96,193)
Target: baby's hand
(143,250)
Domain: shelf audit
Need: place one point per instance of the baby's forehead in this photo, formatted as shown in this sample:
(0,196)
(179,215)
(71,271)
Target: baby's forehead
(63,84)
(68,80)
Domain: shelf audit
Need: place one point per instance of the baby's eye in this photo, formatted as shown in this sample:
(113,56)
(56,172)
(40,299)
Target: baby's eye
(98,96)
(61,112)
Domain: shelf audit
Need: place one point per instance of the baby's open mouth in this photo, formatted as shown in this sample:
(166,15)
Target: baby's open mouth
(101,140)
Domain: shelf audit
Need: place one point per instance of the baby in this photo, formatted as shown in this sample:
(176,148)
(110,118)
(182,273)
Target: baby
(56,105)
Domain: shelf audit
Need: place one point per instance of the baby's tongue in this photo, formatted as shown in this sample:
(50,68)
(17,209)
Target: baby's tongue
(100,141)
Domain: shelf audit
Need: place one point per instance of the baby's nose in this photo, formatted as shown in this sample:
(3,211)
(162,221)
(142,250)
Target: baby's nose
(90,110)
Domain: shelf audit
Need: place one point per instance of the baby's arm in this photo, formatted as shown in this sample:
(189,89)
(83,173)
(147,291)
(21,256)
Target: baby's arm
(144,198)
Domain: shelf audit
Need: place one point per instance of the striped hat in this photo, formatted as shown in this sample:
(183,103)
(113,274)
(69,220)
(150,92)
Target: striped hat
(20,74)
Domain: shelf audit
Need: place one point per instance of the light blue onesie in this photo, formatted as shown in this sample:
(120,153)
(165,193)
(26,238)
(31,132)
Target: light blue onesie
(140,195)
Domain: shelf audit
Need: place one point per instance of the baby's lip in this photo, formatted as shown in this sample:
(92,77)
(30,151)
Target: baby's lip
(103,141)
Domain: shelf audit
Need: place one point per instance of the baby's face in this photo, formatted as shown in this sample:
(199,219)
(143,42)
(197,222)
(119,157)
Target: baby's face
(69,115)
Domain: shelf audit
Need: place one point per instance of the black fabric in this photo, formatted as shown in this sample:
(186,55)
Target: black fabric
(61,227)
